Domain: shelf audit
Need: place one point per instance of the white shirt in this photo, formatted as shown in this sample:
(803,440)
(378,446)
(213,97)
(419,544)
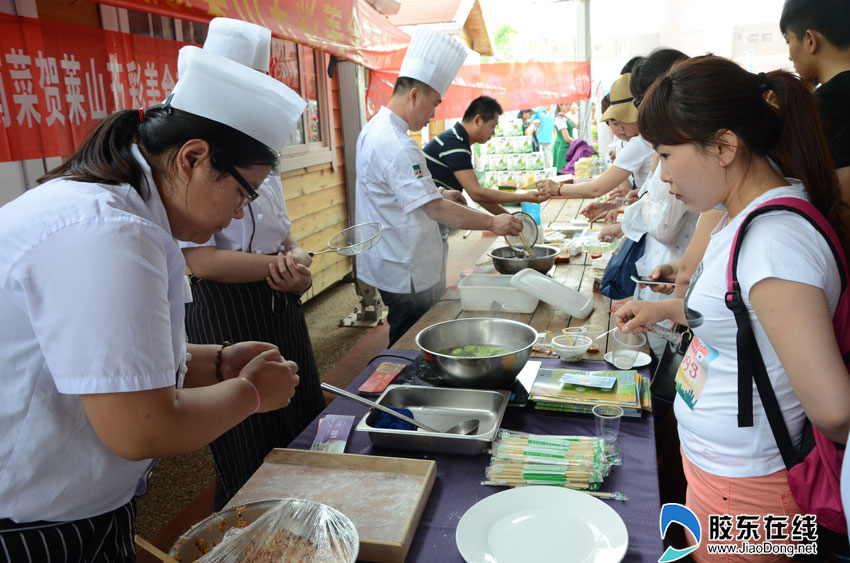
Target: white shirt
(779,245)
(393,183)
(92,301)
(668,226)
(269,226)
(636,158)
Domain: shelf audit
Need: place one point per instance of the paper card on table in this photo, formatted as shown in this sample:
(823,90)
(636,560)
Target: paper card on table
(528,374)
(600,379)
(333,433)
(547,387)
(381,377)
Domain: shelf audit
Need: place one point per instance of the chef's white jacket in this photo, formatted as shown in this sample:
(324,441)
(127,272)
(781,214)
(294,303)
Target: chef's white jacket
(91,300)
(393,183)
(265,232)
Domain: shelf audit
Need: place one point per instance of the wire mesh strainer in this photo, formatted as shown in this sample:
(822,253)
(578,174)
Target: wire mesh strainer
(354,240)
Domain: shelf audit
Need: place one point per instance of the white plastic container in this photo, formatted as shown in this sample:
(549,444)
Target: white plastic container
(552,292)
(494,292)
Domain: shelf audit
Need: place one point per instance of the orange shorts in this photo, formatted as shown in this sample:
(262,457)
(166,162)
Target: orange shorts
(735,496)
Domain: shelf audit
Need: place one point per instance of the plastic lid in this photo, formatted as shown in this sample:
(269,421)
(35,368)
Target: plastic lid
(552,292)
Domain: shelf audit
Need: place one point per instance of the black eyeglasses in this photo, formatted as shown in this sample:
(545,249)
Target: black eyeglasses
(252,193)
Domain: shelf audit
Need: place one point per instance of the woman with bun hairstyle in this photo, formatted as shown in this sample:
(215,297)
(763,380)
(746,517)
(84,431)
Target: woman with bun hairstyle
(726,136)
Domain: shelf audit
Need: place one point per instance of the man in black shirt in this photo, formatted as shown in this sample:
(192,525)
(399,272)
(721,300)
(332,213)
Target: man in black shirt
(818,36)
(449,159)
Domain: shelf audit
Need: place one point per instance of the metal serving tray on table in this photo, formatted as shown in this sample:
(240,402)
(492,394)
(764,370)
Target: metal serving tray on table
(440,408)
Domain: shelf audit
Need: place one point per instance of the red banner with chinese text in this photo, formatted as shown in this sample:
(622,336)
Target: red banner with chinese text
(58,80)
(514,85)
(350,29)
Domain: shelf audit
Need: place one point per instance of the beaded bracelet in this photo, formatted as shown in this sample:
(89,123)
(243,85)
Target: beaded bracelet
(218,375)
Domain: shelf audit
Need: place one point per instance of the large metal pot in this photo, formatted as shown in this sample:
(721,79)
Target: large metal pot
(489,372)
(508,260)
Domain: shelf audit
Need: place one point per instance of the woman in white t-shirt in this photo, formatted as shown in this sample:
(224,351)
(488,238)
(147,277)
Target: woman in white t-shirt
(715,126)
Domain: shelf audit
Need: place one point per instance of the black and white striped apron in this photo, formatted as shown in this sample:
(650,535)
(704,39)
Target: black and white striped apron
(237,312)
(107,538)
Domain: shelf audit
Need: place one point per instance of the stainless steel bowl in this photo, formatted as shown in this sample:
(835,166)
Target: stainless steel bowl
(489,372)
(508,260)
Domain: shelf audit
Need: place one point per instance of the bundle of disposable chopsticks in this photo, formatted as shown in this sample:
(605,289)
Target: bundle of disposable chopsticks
(575,462)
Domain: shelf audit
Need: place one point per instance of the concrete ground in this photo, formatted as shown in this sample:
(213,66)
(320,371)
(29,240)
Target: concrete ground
(180,489)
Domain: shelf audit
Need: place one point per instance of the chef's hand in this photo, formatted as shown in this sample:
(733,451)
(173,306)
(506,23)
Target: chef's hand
(300,256)
(611,233)
(535,196)
(274,377)
(547,186)
(595,210)
(288,276)
(507,224)
(237,356)
(455,196)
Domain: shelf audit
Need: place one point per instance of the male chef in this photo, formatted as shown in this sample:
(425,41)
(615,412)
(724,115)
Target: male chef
(394,187)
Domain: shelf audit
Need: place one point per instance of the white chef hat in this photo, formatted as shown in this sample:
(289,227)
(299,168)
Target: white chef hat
(433,58)
(219,89)
(239,41)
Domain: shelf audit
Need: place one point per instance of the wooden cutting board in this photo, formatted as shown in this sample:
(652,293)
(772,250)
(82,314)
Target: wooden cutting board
(383,496)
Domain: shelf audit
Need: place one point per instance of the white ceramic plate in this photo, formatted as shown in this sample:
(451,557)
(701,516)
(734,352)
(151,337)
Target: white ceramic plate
(541,524)
(643,359)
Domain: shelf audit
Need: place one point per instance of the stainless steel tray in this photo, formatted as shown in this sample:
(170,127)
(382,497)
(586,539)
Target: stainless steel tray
(440,408)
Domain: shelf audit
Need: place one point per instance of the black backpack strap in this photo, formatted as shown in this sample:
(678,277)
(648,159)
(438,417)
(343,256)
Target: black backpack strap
(750,362)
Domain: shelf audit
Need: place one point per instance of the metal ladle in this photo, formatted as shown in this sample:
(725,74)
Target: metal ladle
(466,427)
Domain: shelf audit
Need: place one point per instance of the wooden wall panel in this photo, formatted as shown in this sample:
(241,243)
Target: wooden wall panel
(316,203)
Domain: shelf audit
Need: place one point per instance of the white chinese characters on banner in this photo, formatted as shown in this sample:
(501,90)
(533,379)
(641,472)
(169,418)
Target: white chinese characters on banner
(114,68)
(97,95)
(146,86)
(48,81)
(22,81)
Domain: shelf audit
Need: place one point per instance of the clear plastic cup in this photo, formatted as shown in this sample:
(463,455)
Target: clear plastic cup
(570,349)
(592,331)
(626,348)
(573,332)
(607,419)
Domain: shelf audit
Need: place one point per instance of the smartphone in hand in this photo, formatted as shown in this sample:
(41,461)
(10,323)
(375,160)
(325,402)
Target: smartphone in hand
(646,280)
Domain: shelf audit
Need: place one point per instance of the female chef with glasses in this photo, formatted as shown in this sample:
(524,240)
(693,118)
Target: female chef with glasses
(97,378)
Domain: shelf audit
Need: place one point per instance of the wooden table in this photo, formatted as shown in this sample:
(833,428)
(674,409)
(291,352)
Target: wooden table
(578,274)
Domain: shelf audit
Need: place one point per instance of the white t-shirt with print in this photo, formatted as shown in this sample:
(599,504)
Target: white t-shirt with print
(779,245)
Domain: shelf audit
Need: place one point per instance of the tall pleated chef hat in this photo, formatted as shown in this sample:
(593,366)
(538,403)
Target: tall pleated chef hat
(219,89)
(433,58)
(239,41)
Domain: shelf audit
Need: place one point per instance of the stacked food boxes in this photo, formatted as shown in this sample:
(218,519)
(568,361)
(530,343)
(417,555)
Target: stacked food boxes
(509,159)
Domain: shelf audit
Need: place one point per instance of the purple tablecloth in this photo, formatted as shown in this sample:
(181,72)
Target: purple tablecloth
(458,486)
